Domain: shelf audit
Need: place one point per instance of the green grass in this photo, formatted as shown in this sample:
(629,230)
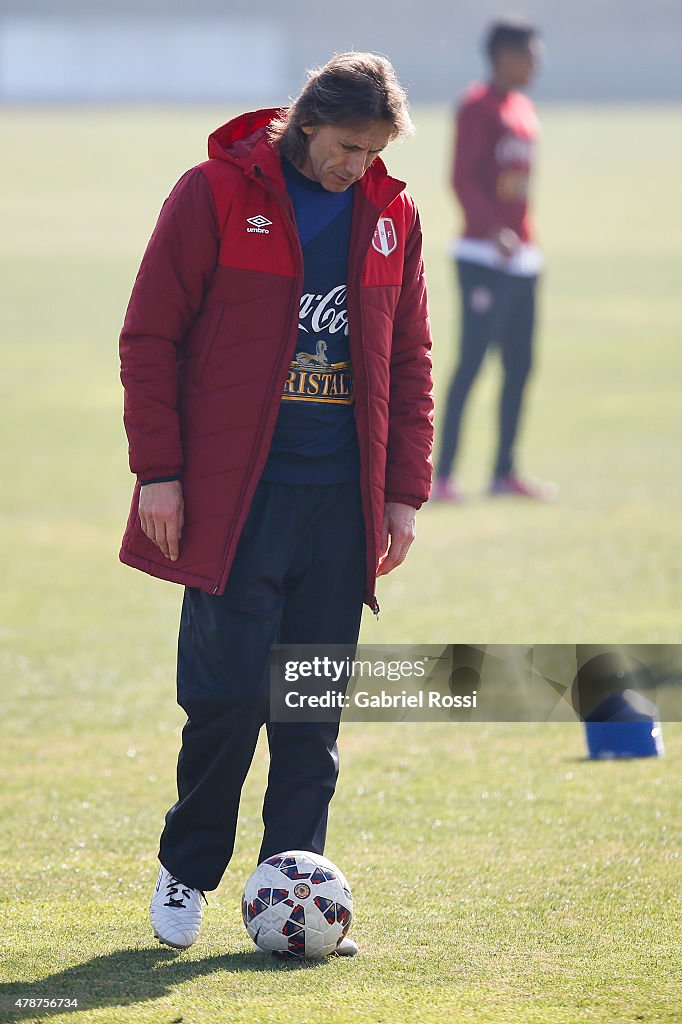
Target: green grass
(522,884)
(498,877)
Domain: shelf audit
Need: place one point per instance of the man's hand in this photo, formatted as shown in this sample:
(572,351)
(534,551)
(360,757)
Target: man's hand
(161,510)
(507,242)
(400,525)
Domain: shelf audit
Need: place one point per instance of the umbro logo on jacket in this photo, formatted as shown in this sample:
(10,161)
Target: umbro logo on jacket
(259,225)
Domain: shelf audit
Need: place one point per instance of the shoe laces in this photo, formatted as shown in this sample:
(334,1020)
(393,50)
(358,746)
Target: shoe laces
(175,886)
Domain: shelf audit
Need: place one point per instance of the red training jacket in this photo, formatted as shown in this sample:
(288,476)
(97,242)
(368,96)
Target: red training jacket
(494,143)
(209,334)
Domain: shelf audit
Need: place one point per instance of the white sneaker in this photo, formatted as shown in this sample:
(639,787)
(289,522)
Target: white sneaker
(175,911)
(346,947)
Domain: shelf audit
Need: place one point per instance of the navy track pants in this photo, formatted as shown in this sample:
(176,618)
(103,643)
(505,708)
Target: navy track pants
(298,578)
(497,308)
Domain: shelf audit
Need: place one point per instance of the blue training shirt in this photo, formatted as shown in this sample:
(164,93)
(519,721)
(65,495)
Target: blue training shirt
(315,439)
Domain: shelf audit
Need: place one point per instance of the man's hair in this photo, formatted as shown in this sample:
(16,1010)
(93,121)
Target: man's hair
(509,34)
(351,89)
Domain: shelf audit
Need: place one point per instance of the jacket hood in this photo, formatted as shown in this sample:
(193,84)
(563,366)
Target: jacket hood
(237,139)
(244,141)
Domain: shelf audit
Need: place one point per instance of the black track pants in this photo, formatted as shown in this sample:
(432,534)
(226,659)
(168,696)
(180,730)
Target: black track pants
(497,309)
(298,577)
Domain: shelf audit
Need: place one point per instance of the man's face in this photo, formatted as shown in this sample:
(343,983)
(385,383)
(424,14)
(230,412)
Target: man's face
(516,67)
(339,155)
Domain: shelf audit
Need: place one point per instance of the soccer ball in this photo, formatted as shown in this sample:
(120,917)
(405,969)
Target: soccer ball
(297,904)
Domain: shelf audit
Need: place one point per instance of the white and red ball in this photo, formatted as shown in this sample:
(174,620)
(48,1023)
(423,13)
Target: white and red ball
(297,904)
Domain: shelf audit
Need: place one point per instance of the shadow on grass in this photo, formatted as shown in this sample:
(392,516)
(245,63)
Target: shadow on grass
(124,978)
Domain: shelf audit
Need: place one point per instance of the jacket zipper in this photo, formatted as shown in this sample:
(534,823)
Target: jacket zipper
(275,373)
(358,288)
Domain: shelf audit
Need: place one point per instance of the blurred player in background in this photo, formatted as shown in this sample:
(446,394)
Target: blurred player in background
(498,262)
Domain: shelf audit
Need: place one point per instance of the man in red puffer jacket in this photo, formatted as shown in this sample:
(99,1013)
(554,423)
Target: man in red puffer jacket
(276,366)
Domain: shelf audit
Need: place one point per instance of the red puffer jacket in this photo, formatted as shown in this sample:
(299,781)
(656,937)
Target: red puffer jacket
(209,335)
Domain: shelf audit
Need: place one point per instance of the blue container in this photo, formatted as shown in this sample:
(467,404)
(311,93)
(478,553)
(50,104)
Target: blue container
(625,724)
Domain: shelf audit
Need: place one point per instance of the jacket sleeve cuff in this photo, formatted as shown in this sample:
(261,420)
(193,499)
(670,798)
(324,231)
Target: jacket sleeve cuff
(159,480)
(159,476)
(404,499)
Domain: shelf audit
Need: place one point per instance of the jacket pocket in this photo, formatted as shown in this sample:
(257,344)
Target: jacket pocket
(206,340)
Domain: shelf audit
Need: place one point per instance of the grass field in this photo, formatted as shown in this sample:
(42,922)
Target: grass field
(522,883)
